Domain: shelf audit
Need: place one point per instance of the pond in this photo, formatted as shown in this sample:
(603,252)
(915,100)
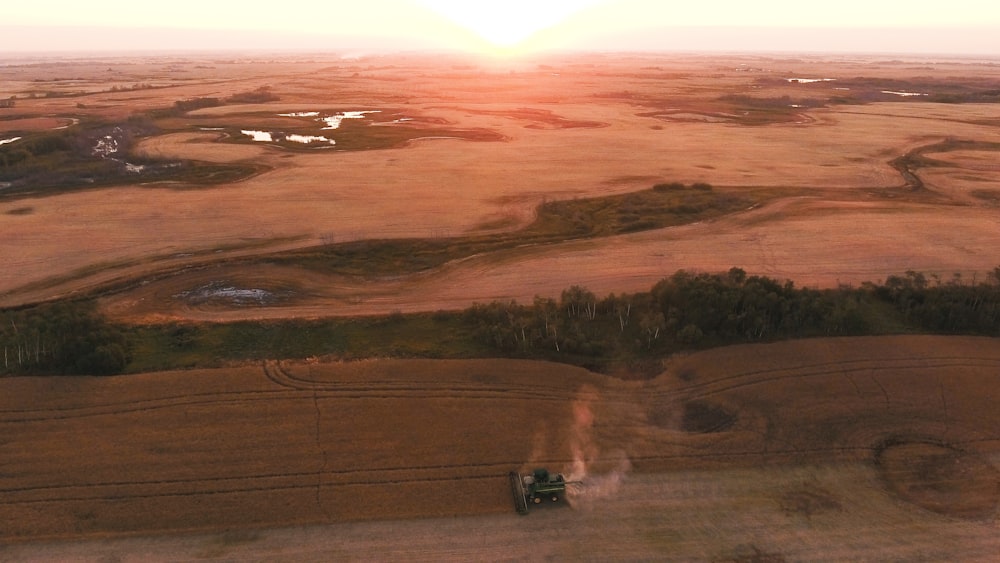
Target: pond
(904,94)
(272,137)
(333,121)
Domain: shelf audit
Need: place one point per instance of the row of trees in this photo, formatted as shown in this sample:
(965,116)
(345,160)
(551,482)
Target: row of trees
(63,338)
(685,310)
(952,306)
(695,310)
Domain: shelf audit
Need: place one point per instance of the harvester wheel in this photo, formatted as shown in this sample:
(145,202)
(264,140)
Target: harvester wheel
(554,498)
(538,500)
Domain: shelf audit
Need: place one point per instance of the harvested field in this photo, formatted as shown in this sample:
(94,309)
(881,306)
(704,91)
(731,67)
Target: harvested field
(476,183)
(813,242)
(448,187)
(32,124)
(831,449)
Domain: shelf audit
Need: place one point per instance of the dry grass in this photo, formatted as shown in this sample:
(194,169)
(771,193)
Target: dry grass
(785,450)
(439,188)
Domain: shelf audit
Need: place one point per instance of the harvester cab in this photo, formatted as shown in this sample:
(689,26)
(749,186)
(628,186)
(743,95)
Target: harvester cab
(535,487)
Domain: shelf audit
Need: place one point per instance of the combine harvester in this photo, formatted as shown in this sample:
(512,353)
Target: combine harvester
(538,485)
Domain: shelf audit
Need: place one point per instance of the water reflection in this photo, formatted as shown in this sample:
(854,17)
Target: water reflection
(904,94)
(333,121)
(269,137)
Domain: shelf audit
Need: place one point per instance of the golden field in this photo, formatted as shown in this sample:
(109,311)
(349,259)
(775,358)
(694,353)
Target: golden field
(826,449)
(571,129)
(819,449)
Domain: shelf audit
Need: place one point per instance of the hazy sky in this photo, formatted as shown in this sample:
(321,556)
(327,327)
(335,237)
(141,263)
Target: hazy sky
(510,26)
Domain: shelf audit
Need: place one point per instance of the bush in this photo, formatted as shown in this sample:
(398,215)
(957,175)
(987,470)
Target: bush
(259,96)
(63,338)
(672,186)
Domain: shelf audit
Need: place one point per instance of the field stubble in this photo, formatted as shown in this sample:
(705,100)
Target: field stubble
(802,465)
(446,187)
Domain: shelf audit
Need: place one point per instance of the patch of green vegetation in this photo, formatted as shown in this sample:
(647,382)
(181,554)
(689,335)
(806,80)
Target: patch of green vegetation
(259,96)
(180,346)
(96,154)
(863,90)
(682,312)
(181,107)
(751,110)
(909,163)
(359,135)
(991,196)
(556,221)
(61,338)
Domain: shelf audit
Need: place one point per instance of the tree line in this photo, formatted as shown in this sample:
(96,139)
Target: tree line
(68,338)
(696,310)
(688,310)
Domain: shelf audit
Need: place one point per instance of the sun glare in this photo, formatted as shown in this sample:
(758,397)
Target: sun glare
(507,24)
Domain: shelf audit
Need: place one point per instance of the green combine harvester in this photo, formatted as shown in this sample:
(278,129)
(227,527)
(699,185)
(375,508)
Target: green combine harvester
(538,485)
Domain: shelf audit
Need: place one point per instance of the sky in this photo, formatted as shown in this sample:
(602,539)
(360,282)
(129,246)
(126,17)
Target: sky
(504,28)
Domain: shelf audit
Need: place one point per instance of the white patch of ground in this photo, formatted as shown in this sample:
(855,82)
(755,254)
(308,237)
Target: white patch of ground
(903,94)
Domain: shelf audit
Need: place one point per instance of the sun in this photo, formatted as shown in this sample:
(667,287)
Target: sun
(509,23)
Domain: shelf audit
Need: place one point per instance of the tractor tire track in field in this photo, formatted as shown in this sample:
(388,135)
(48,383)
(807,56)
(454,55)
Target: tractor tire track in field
(145,405)
(245,484)
(280,375)
(293,387)
(322,396)
(839,368)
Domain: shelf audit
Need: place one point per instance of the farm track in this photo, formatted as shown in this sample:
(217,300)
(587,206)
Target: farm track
(278,373)
(739,381)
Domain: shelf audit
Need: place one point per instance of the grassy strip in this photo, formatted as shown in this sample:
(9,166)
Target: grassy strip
(908,164)
(179,346)
(662,206)
(626,333)
(94,154)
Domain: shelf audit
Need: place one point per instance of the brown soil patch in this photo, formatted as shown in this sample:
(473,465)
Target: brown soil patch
(940,478)
(809,502)
(705,418)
